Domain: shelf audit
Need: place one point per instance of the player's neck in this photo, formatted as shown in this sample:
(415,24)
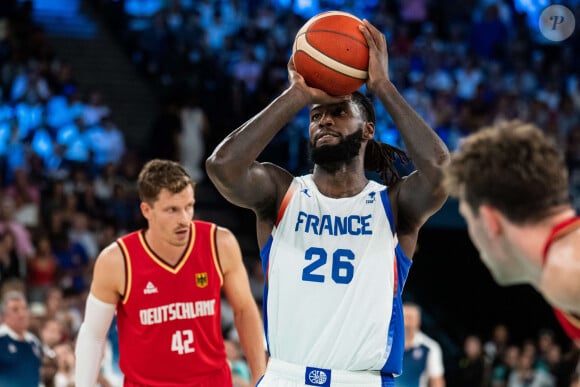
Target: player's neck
(168,252)
(346,181)
(531,240)
(343,183)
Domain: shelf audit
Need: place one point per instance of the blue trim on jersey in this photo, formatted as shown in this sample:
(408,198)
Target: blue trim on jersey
(388,209)
(265,256)
(396,334)
(387,380)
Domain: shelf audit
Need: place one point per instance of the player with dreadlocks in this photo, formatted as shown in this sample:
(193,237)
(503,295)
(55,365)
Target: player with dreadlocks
(335,246)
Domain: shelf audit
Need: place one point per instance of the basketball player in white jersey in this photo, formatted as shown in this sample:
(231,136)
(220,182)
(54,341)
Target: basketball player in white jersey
(335,247)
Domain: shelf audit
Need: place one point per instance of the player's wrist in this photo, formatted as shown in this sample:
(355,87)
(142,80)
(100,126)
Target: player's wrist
(299,93)
(381,85)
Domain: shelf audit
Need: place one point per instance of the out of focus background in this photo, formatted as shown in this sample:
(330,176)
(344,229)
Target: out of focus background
(91,89)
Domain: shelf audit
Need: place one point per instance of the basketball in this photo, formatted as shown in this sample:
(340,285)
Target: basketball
(331,53)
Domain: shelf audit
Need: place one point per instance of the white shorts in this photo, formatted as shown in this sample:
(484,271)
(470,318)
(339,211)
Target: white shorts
(282,374)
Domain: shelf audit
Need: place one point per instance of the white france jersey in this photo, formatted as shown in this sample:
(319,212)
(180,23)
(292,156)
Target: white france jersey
(334,277)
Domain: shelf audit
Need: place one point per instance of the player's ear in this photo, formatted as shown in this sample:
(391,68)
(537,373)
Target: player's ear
(369,130)
(145,209)
(492,219)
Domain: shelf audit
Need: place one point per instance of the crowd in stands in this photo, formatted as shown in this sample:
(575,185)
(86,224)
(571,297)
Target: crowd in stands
(460,66)
(67,180)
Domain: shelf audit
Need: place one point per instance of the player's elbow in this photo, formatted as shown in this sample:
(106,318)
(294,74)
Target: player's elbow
(218,166)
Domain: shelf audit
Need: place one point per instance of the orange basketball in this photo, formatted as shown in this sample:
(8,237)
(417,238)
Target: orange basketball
(331,53)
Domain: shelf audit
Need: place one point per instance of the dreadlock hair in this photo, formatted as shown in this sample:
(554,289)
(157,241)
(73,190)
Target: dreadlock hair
(379,157)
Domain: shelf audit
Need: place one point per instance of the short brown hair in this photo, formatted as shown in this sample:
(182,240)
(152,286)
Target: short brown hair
(159,174)
(513,167)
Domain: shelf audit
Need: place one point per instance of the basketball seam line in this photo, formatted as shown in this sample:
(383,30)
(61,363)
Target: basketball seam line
(334,64)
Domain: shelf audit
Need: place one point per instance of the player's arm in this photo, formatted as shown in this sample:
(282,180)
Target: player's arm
(421,194)
(106,287)
(232,166)
(246,314)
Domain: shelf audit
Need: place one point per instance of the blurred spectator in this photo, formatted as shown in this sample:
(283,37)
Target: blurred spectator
(65,360)
(22,239)
(467,78)
(505,364)
(53,201)
(104,183)
(15,151)
(48,371)
(568,118)
(26,196)
(62,109)
(42,270)
(556,366)
(95,109)
(65,83)
(195,128)
(525,375)
(11,264)
(546,340)
(21,353)
(155,44)
(31,85)
(494,347)
(108,142)
(472,369)
(489,35)
(47,152)
(77,145)
(111,372)
(123,207)
(478,111)
(239,366)
(51,334)
(81,233)
(29,112)
(422,361)
(247,72)
(414,14)
(256,277)
(419,98)
(73,261)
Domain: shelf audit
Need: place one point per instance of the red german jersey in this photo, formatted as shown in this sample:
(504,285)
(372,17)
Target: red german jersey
(569,323)
(169,319)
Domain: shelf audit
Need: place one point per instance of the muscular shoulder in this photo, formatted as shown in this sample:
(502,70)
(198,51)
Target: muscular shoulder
(109,274)
(111,256)
(228,249)
(281,178)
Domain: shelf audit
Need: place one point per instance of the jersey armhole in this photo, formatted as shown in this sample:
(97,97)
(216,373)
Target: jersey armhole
(388,210)
(285,201)
(215,254)
(128,273)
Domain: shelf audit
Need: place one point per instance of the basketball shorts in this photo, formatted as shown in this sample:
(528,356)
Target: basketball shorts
(282,374)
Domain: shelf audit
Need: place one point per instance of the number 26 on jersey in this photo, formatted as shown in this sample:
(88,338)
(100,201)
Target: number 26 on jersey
(342,269)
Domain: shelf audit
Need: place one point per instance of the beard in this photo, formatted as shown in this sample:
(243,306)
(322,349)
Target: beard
(332,157)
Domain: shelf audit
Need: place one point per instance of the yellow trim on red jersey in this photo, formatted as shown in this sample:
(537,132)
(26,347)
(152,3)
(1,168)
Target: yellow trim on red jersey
(214,253)
(128,272)
(572,319)
(160,261)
